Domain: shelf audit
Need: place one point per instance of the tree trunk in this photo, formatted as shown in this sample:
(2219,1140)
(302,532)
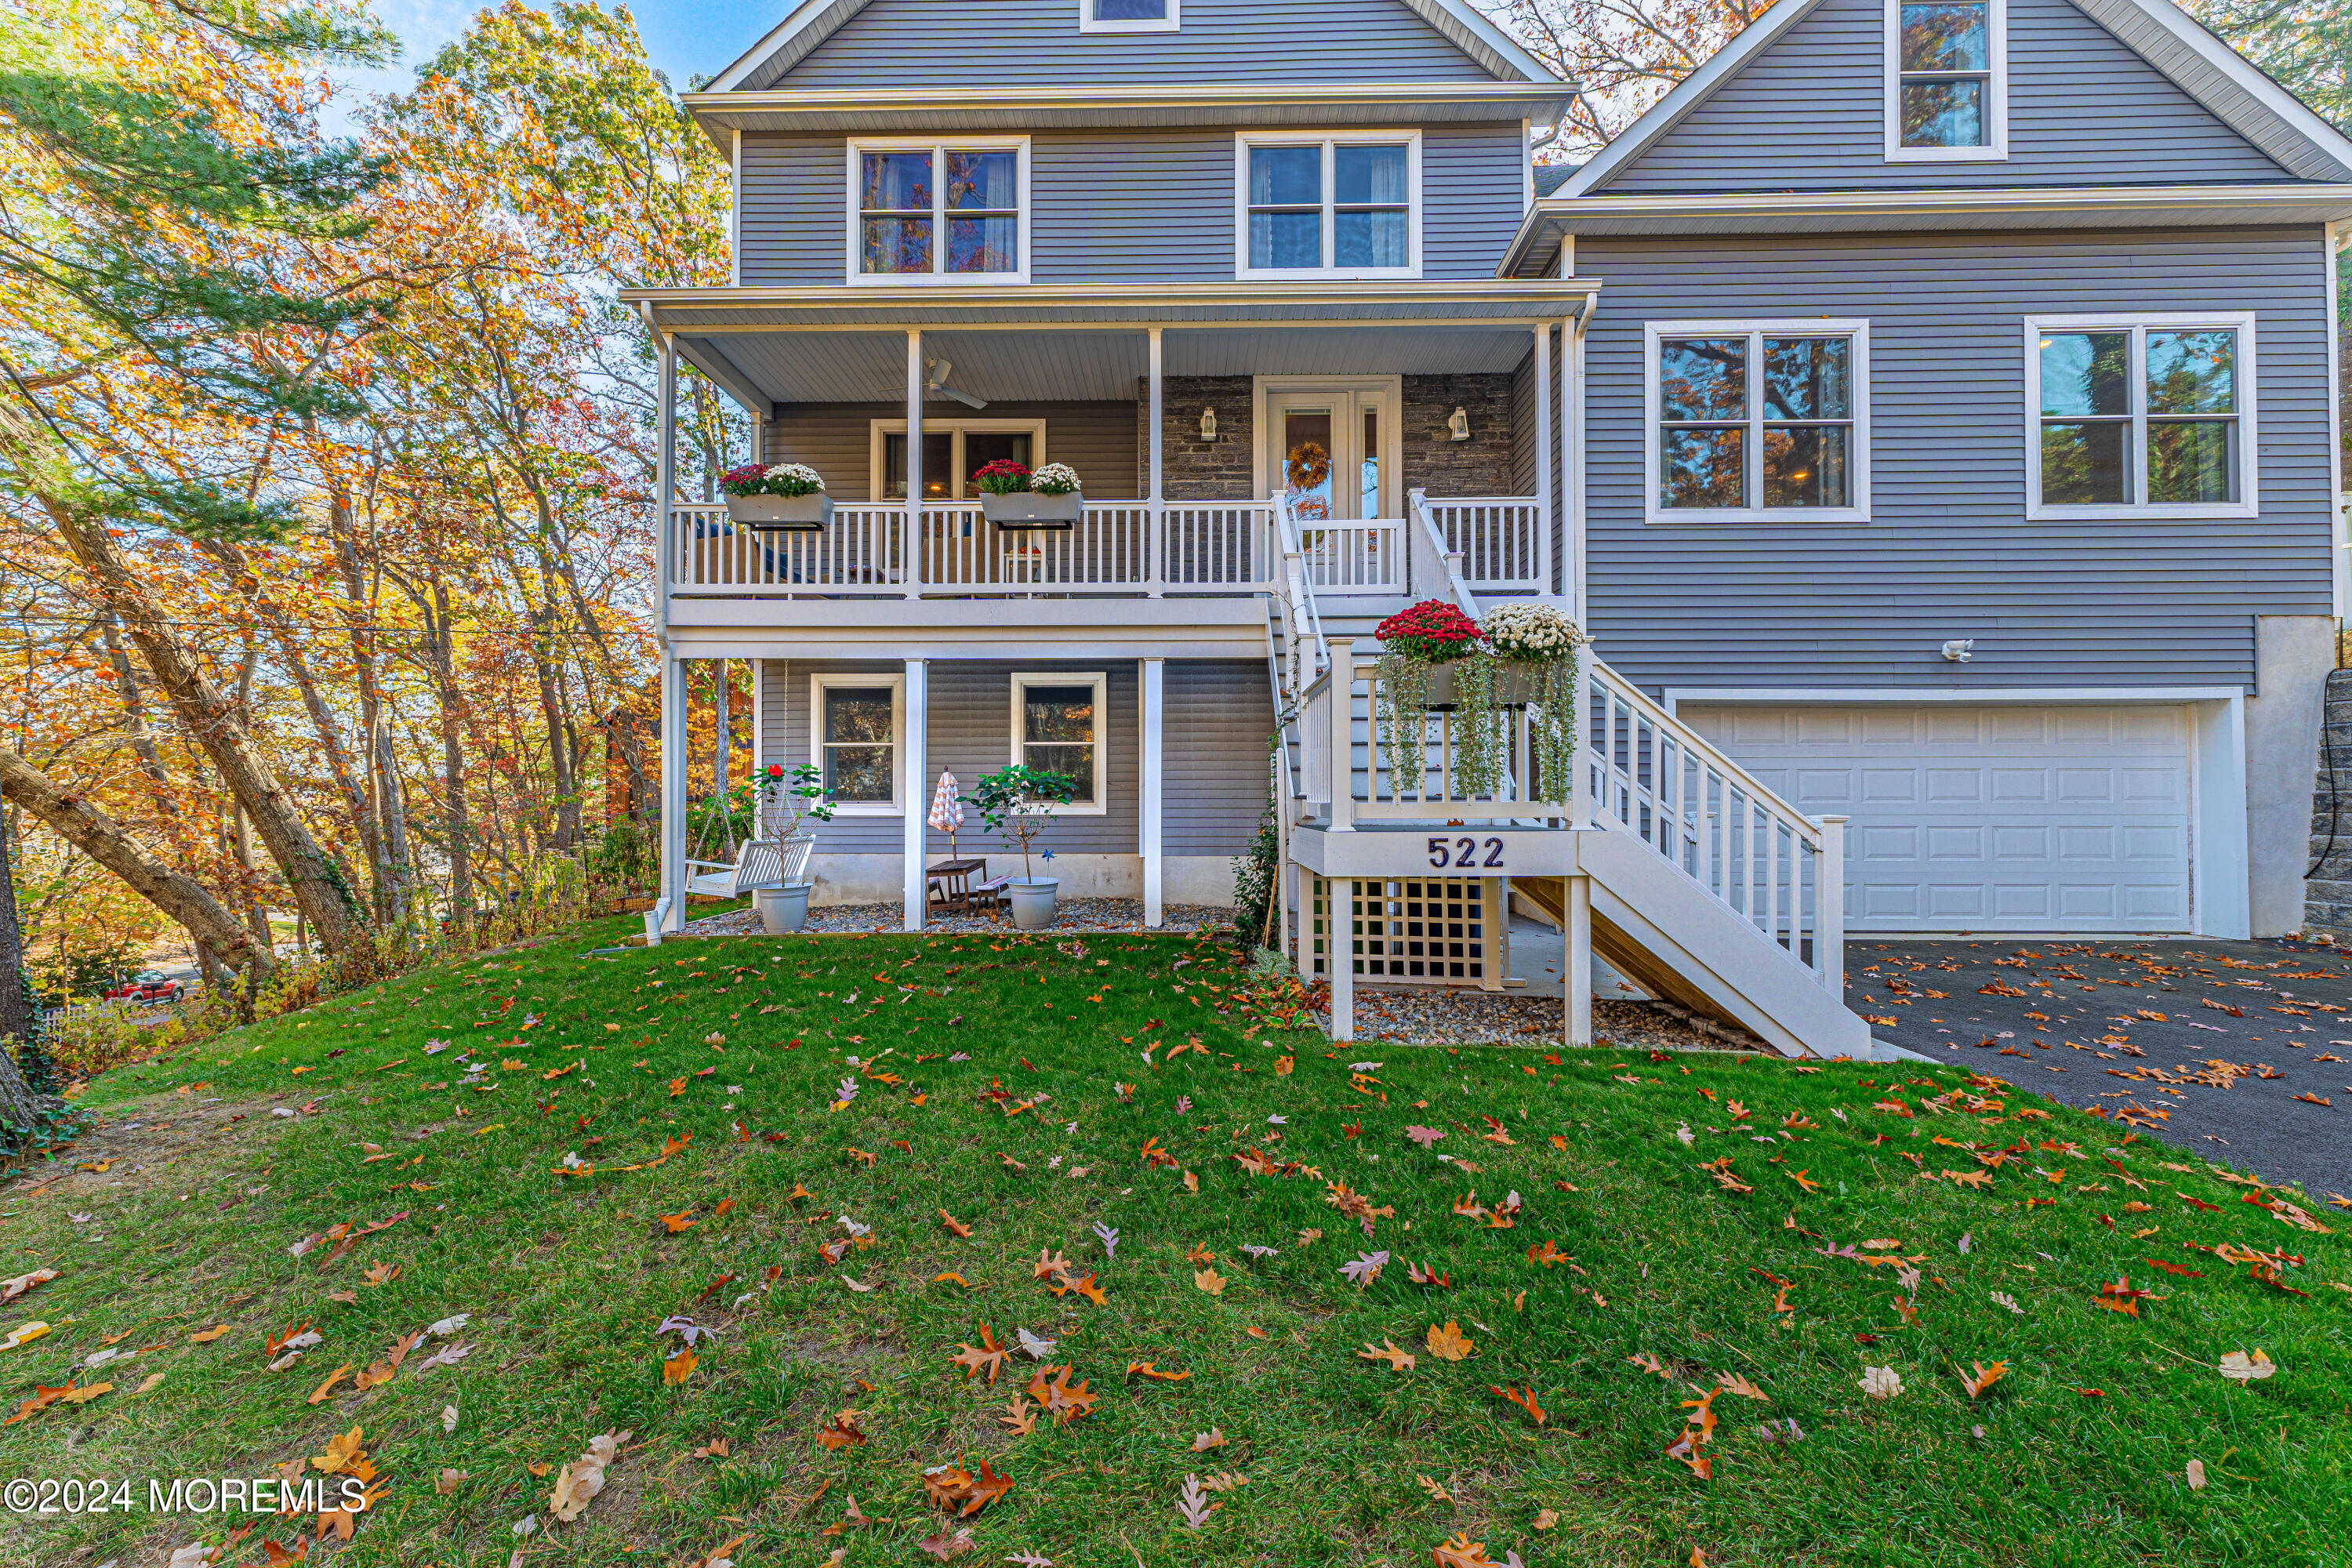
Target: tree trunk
(212,719)
(180,897)
(20,1105)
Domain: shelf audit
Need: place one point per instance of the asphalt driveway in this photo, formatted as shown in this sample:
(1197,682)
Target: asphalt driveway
(2226,1048)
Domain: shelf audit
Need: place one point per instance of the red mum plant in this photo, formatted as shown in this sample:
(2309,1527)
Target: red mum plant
(1002,478)
(1431,632)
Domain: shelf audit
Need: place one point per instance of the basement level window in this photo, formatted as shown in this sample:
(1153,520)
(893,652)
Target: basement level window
(1128,15)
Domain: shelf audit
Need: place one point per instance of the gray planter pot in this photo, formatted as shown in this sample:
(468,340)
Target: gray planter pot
(1027,509)
(1517,684)
(1438,691)
(782,514)
(783,909)
(1033,902)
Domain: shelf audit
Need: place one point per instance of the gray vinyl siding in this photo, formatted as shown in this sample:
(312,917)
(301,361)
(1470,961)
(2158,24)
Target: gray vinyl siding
(1523,427)
(958,43)
(1947,552)
(1809,113)
(1472,195)
(837,440)
(793,211)
(969,733)
(1134,206)
(1213,728)
(1127,206)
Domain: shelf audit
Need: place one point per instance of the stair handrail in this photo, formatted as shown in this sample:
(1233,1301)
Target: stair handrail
(1449,559)
(1298,593)
(1763,794)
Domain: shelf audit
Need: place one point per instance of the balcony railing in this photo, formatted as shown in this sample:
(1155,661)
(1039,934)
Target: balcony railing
(1115,548)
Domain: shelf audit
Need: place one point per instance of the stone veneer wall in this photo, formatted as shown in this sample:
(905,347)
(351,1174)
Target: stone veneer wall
(2327,889)
(1433,460)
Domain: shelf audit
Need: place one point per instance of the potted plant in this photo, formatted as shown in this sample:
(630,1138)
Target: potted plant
(786,801)
(1017,802)
(1423,643)
(776,497)
(1013,497)
(1525,657)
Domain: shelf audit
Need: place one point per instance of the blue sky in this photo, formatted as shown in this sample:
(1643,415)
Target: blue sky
(685,37)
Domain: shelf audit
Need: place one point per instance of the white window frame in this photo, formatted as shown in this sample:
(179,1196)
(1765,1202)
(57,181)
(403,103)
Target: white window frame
(1100,680)
(2249,501)
(1244,140)
(818,683)
(1996,146)
(1170,23)
(877,451)
(1858,457)
(935,145)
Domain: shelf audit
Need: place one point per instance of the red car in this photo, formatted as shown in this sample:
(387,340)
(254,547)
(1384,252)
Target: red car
(149,986)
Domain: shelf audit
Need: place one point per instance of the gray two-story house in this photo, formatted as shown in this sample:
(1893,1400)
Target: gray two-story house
(1928,408)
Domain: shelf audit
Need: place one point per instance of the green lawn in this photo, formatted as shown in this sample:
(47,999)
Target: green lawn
(1068,1112)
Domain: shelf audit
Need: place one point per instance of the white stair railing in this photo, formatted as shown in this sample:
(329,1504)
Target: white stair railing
(1649,774)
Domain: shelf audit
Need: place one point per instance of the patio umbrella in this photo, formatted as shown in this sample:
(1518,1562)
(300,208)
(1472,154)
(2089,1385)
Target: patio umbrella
(947,809)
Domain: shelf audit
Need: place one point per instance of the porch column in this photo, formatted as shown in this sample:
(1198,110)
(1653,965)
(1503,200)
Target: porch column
(1339,957)
(666,470)
(672,897)
(759,725)
(916,781)
(1155,680)
(912,559)
(1544,451)
(1576,985)
(1156,530)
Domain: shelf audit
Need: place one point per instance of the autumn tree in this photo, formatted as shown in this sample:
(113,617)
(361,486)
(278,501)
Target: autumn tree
(1626,54)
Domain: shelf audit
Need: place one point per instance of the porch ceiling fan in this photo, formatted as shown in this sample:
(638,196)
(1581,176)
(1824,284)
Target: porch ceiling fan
(939,387)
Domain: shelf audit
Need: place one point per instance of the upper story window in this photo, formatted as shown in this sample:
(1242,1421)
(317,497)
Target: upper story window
(1758,421)
(1312,205)
(2141,417)
(938,212)
(1128,15)
(1946,79)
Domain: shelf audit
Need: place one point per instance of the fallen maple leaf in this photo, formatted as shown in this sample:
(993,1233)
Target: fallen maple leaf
(1214,1438)
(1986,1376)
(577,1484)
(679,1367)
(1398,1361)
(1020,1417)
(1447,1343)
(1210,1280)
(988,1357)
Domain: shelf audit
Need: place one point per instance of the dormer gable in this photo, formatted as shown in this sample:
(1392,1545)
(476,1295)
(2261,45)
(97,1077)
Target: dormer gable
(1858,95)
(835,45)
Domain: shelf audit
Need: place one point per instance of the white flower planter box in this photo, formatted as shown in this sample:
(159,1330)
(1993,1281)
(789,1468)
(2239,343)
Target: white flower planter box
(782,514)
(1027,509)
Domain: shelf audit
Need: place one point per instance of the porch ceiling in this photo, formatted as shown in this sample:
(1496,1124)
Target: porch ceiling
(783,367)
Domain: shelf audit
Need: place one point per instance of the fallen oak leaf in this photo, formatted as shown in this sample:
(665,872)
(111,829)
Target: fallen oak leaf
(1524,1398)
(1986,1376)
(1447,1343)
(1398,1359)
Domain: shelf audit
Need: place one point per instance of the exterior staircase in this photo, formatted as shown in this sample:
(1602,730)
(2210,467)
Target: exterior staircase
(1680,871)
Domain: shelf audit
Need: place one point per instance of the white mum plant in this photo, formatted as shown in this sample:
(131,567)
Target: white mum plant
(1537,634)
(1054,479)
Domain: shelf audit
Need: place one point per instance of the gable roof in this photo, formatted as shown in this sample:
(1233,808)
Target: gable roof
(811,22)
(2231,87)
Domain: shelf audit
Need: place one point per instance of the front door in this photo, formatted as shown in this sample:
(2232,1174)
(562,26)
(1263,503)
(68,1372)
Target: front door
(1333,451)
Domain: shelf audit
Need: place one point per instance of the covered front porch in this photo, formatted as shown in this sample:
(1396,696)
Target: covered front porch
(1222,434)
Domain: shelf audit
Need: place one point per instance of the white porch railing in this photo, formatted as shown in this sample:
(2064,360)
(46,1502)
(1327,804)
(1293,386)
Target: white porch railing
(1354,558)
(1116,547)
(1499,538)
(1644,771)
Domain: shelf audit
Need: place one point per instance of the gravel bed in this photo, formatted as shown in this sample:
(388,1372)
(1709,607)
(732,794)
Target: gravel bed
(1447,1017)
(1070,915)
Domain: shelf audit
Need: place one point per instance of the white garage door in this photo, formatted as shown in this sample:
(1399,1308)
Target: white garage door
(2057,819)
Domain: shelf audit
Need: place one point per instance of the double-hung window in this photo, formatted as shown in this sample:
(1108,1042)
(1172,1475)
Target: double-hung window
(1946,79)
(856,728)
(1758,421)
(938,212)
(2141,415)
(1059,728)
(1342,206)
(1129,16)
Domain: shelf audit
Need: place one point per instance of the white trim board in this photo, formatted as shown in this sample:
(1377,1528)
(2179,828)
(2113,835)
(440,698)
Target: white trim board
(1329,140)
(1849,696)
(941,214)
(1172,20)
(2244,379)
(1100,680)
(896,682)
(1752,509)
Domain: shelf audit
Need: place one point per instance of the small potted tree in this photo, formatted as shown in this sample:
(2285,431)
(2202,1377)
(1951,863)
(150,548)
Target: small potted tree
(1013,497)
(1017,802)
(787,800)
(776,497)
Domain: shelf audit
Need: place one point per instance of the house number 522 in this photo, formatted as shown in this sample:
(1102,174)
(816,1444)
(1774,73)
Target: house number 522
(1457,853)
